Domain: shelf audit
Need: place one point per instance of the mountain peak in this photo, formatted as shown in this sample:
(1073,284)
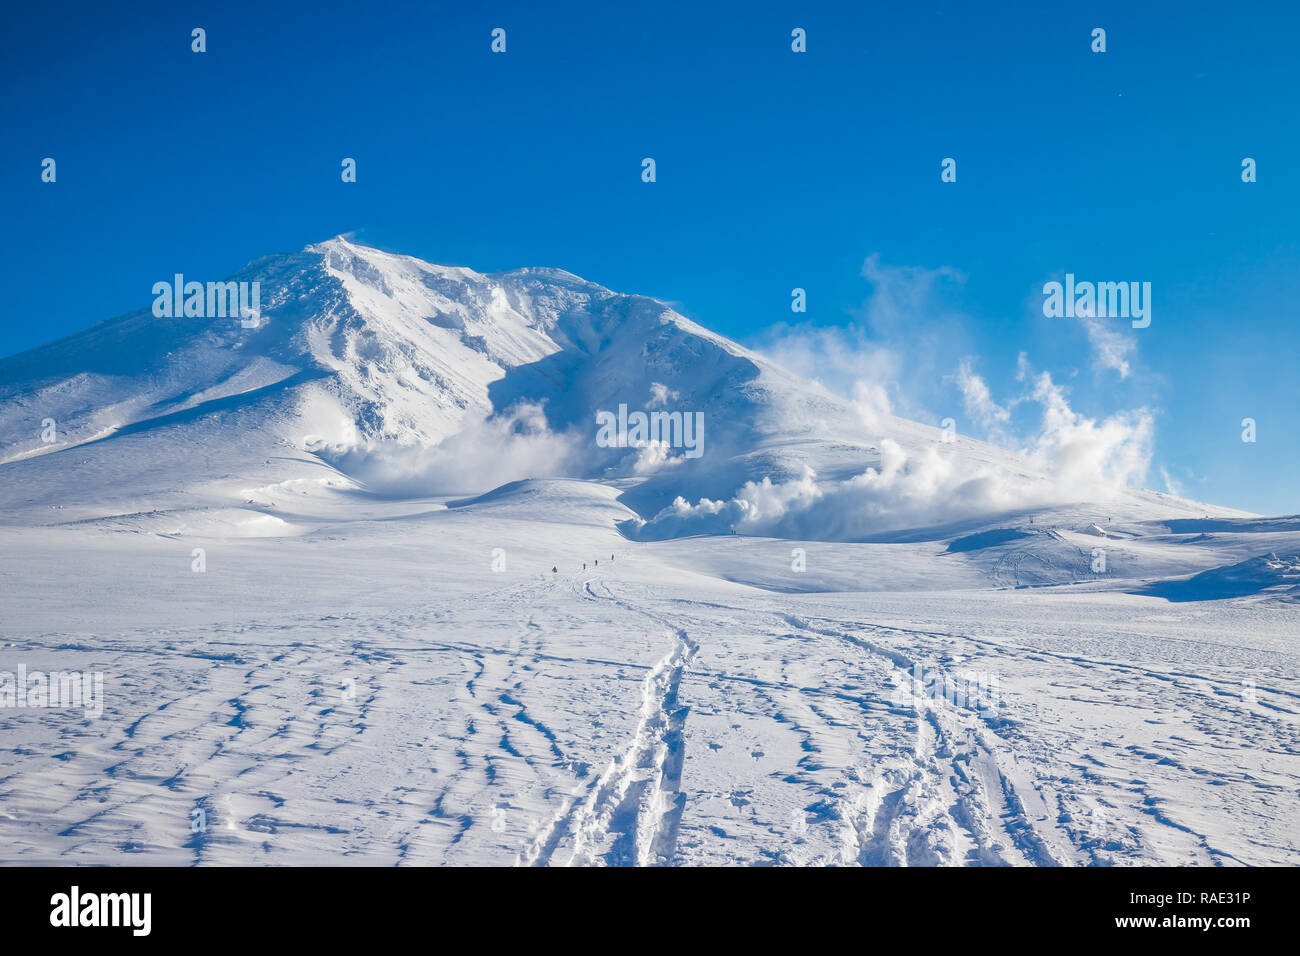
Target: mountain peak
(358,350)
(344,254)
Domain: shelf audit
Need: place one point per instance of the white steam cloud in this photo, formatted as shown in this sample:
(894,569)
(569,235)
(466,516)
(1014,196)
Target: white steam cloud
(484,454)
(1075,458)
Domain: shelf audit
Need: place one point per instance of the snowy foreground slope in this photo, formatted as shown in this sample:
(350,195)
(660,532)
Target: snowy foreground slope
(905,654)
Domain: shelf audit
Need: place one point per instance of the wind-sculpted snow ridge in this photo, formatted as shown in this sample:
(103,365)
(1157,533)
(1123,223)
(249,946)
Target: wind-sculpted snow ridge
(1265,574)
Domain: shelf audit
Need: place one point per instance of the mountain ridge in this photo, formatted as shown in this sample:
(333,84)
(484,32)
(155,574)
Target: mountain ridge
(374,364)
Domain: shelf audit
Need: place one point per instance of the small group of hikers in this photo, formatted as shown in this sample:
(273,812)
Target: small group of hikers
(556,570)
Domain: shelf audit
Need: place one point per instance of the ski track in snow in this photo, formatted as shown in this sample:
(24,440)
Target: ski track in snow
(631,814)
(949,800)
(604,719)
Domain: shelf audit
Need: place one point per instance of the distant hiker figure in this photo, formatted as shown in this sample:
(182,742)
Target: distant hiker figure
(555,570)
(598,562)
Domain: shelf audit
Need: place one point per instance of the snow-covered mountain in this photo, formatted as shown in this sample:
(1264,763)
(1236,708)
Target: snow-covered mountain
(400,348)
(404,378)
(363,583)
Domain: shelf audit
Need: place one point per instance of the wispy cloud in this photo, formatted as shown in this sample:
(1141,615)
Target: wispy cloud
(892,353)
(1111,349)
(978,401)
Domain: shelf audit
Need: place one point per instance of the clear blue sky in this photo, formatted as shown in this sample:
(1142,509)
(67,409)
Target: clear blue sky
(775,170)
